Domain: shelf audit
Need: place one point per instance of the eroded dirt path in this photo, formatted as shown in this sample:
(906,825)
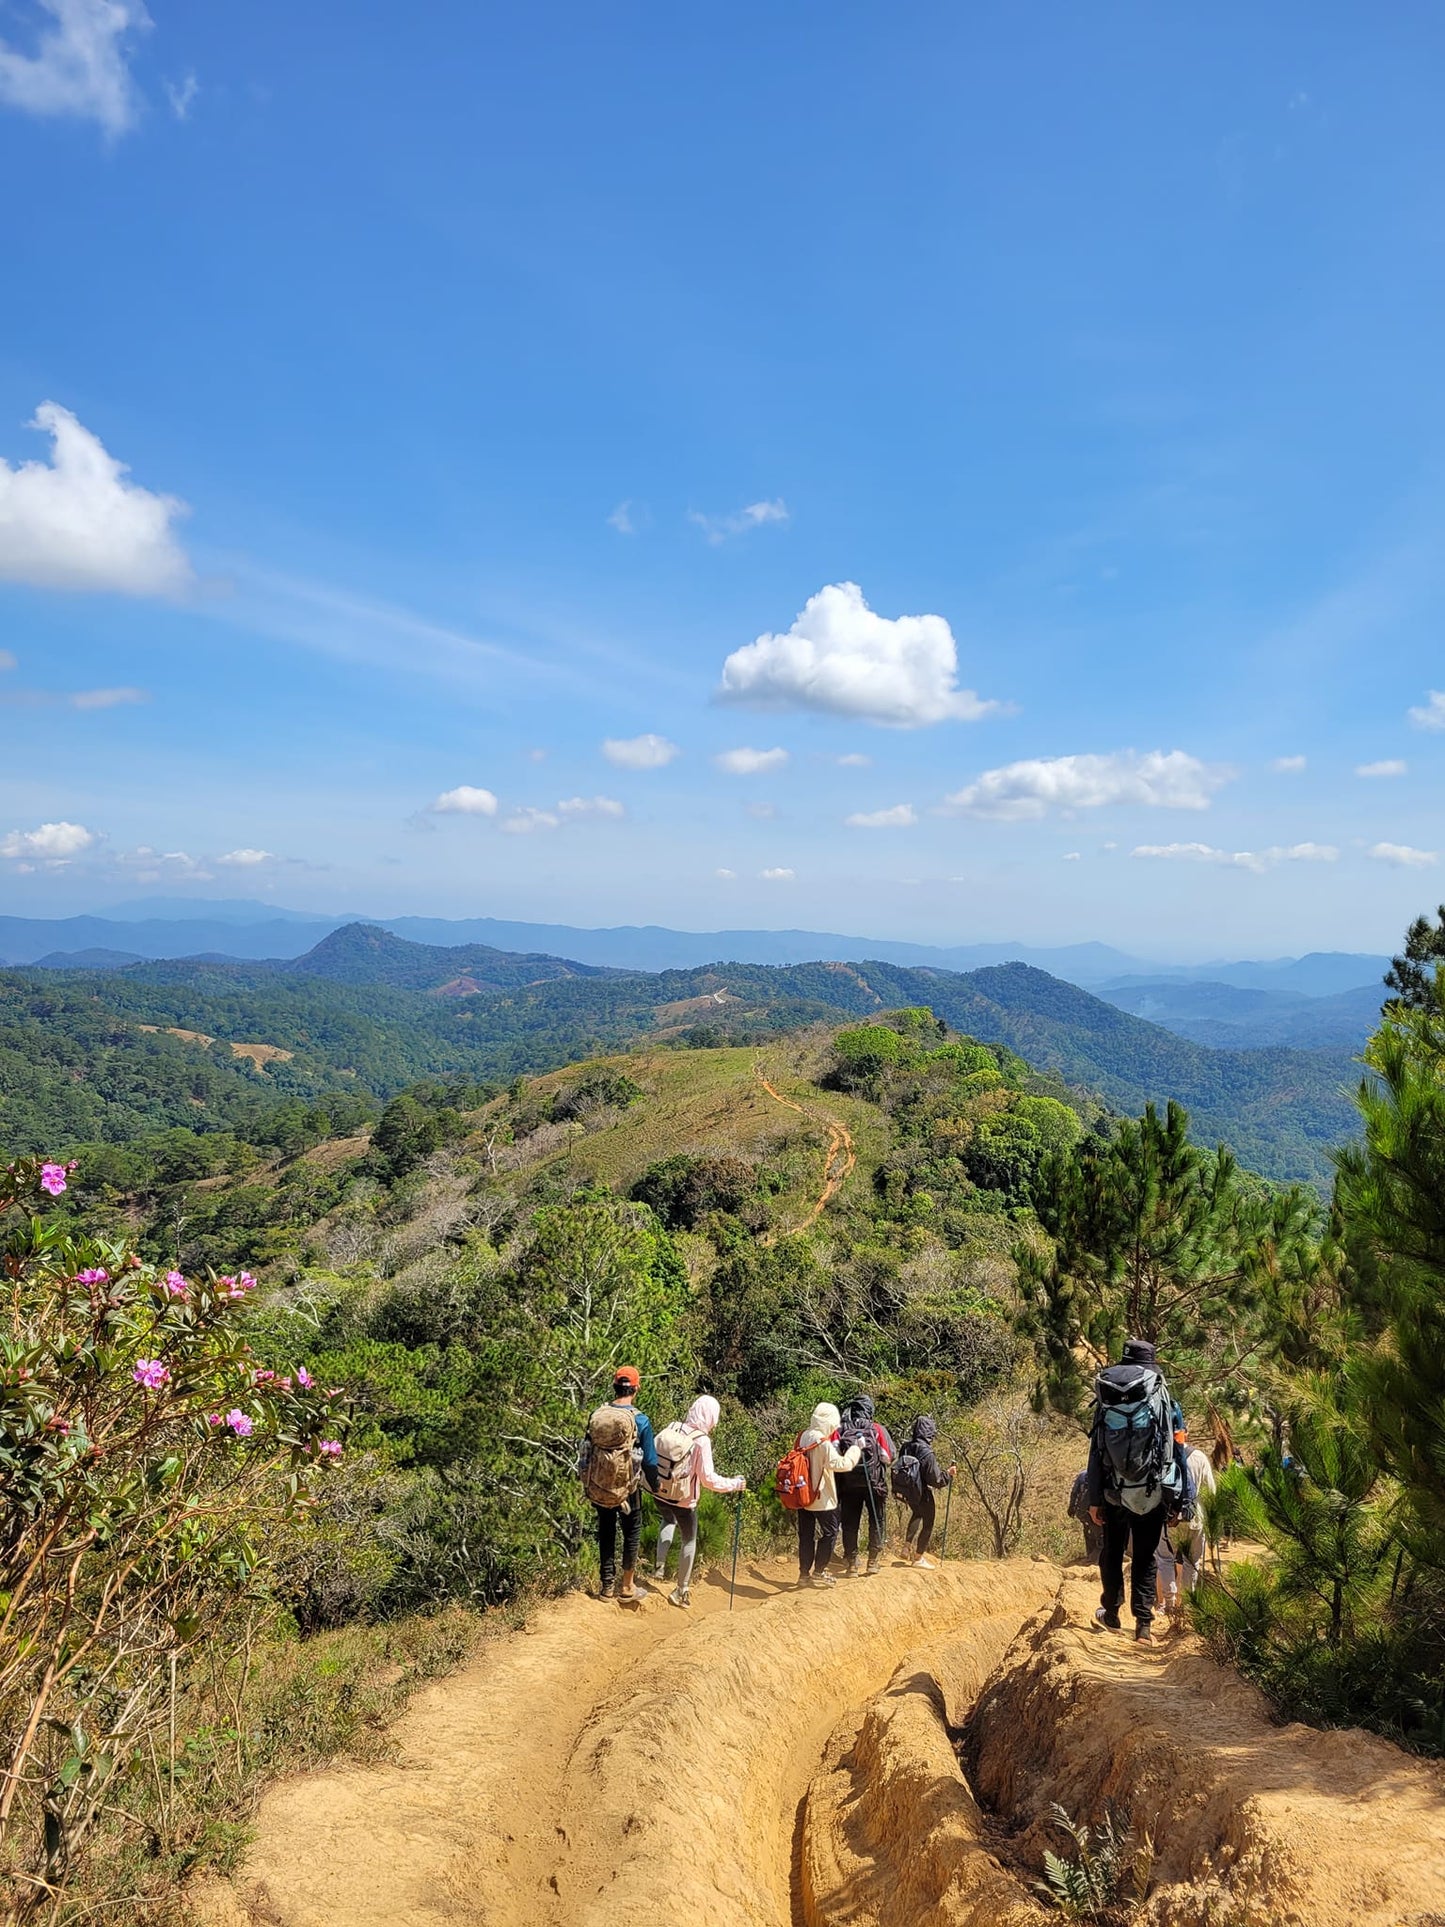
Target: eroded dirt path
(838,1161)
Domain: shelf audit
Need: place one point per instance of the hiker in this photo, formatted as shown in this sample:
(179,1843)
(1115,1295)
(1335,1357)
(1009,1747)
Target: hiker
(618,1453)
(1181,1553)
(1136,1476)
(684,1473)
(866,1485)
(917,1475)
(818,1519)
(1079,1509)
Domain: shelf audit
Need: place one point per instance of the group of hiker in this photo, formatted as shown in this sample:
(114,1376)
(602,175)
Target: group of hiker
(837,1474)
(1137,1497)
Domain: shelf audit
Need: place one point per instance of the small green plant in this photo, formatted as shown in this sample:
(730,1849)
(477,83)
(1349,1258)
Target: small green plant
(1110,1877)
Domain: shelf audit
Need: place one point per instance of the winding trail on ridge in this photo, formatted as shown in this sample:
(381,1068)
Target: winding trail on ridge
(838,1162)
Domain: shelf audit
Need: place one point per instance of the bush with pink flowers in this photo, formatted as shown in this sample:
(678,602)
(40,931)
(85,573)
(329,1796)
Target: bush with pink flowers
(145,1458)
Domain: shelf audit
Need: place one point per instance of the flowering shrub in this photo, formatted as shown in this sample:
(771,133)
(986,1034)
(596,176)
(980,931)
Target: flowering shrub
(144,1453)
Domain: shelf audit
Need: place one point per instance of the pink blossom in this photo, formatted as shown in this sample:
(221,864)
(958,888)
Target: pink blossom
(151,1373)
(175,1284)
(239,1423)
(304,1378)
(213,1418)
(262,1376)
(52,1178)
(284,1383)
(330,1448)
(98,1275)
(335,1391)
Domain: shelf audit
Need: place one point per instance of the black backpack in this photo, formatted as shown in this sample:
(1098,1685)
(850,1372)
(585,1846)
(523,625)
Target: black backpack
(871,1467)
(1134,1431)
(908,1477)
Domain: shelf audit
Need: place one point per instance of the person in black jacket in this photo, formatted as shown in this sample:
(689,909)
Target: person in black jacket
(923,1510)
(865,1488)
(1126,1530)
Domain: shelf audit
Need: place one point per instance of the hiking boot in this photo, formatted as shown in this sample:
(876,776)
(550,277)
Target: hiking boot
(679,1597)
(874,1566)
(607,1588)
(1107,1617)
(850,1567)
(924,1563)
(824,1579)
(1143,1636)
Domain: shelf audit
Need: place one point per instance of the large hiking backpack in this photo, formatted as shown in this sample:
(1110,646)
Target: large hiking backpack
(1134,1431)
(793,1479)
(676,1450)
(908,1476)
(872,1467)
(609,1472)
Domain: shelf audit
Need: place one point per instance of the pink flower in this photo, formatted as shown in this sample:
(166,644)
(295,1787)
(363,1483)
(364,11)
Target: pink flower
(175,1284)
(151,1373)
(330,1448)
(213,1418)
(239,1423)
(335,1391)
(304,1378)
(262,1376)
(97,1276)
(52,1178)
(284,1383)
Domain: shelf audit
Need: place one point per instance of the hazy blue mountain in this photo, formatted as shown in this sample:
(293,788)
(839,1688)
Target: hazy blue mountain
(1228,1017)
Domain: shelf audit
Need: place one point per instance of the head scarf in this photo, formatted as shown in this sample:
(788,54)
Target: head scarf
(703,1414)
(825,1420)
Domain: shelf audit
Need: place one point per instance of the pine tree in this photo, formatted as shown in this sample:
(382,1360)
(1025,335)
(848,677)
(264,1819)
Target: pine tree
(1413,974)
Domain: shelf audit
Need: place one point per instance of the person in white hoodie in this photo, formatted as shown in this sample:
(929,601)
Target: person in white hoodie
(819,1522)
(685,1472)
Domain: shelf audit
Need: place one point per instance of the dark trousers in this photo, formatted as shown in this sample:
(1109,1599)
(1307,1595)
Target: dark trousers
(817,1536)
(921,1519)
(1144,1529)
(609,1517)
(852,1506)
(1093,1540)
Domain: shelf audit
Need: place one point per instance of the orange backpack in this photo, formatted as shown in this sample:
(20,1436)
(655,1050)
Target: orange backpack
(794,1479)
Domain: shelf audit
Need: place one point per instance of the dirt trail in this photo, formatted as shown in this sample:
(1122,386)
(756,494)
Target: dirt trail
(666,1765)
(838,1161)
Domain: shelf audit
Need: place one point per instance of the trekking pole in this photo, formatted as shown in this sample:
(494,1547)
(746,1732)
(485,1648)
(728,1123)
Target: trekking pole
(947,1507)
(737,1529)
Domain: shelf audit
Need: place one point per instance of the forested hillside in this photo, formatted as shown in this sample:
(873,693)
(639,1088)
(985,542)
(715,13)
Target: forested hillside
(365,1013)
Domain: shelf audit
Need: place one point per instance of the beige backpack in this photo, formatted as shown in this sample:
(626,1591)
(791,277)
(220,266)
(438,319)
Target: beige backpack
(611,1476)
(676,1450)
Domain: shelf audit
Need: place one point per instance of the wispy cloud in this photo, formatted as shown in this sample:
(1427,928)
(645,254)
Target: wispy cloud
(1403,855)
(1431,713)
(247,859)
(841,658)
(718,528)
(1389,766)
(749,762)
(1289,765)
(622,519)
(1256,860)
(901,816)
(182,95)
(78,64)
(1158,779)
(640,752)
(779,875)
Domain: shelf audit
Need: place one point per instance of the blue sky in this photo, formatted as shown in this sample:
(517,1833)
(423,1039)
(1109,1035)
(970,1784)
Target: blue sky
(496,384)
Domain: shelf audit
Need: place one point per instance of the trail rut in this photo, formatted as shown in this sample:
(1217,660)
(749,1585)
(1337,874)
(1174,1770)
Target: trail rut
(838,1161)
(794,1762)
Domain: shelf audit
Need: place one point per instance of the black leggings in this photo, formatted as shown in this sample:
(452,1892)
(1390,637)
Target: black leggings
(921,1520)
(852,1505)
(1145,1530)
(817,1536)
(609,1517)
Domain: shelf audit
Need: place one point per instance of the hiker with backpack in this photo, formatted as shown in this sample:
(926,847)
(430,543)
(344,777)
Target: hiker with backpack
(1078,1509)
(1137,1478)
(618,1454)
(1181,1554)
(684,1472)
(807,1484)
(865,1485)
(917,1475)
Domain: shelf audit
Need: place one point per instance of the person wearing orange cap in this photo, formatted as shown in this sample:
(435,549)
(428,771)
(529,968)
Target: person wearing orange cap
(619,1453)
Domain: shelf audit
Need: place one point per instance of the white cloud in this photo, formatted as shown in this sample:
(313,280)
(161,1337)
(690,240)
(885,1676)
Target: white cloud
(1289,765)
(640,752)
(172,866)
(465,801)
(75,522)
(524,822)
(1403,856)
(1431,713)
(1256,860)
(52,843)
(573,807)
(902,816)
(841,658)
(1165,780)
(717,528)
(855,760)
(1390,766)
(182,97)
(727,876)
(1073,856)
(750,762)
(105,698)
(621,519)
(78,66)
(246,859)
(777,876)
